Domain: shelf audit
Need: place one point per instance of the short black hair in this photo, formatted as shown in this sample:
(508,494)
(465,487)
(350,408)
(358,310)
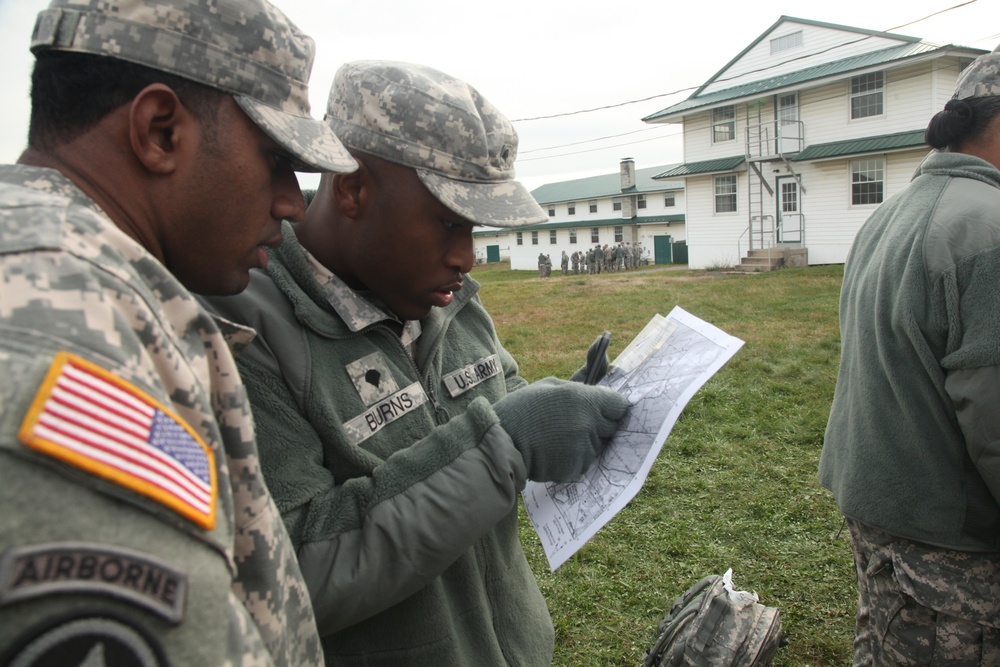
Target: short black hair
(961,121)
(72,92)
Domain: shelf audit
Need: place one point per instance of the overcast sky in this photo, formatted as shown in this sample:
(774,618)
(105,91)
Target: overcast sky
(544,57)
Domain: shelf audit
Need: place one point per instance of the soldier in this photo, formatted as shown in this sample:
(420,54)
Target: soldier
(598,259)
(575,257)
(396,432)
(564,263)
(912,445)
(137,528)
(541,264)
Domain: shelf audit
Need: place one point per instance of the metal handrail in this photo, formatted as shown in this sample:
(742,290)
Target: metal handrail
(771,134)
(802,225)
(763,235)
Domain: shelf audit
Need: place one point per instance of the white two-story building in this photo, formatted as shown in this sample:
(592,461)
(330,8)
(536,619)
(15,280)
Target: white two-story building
(625,207)
(802,135)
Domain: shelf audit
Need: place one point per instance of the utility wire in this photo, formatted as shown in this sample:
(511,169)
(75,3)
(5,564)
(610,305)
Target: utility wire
(757,71)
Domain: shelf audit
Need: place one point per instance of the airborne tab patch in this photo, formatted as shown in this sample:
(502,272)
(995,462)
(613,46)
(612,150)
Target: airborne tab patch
(76,567)
(93,420)
(460,381)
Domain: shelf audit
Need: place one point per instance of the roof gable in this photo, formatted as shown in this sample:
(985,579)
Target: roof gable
(819,39)
(802,76)
(826,50)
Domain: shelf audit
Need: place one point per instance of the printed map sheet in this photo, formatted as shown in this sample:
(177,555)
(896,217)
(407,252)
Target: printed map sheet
(659,372)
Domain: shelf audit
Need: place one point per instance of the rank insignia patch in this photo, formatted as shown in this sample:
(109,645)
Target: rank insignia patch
(87,417)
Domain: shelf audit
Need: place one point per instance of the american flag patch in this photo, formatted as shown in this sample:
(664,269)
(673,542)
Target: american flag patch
(93,420)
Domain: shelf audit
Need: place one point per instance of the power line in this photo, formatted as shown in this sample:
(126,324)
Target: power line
(837,94)
(757,71)
(593,150)
(802,105)
(588,141)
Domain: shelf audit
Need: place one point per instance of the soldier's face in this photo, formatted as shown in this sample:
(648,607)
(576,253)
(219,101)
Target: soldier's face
(413,249)
(239,189)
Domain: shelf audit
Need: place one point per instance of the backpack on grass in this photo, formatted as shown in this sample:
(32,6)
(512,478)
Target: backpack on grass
(713,625)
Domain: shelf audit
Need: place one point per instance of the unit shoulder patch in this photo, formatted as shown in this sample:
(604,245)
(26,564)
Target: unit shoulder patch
(89,640)
(89,418)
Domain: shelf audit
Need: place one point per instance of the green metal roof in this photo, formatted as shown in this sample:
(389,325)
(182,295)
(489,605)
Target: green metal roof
(605,185)
(907,48)
(585,224)
(704,167)
(817,72)
(885,142)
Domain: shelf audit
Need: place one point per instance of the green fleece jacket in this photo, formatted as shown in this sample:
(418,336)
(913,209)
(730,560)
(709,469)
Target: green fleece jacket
(913,441)
(393,475)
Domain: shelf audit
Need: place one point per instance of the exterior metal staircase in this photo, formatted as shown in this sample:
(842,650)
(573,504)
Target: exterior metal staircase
(767,244)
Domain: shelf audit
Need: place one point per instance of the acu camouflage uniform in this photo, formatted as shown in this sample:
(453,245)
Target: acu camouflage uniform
(73,283)
(137,528)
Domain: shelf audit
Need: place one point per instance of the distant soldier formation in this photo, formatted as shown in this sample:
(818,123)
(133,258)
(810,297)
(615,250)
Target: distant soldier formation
(600,259)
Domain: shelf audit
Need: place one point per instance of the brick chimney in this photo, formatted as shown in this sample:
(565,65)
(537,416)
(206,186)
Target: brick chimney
(628,173)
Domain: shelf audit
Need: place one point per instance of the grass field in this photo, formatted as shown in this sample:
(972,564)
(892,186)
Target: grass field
(735,485)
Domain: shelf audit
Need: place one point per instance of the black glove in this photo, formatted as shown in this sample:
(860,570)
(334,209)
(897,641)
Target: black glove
(597,361)
(560,427)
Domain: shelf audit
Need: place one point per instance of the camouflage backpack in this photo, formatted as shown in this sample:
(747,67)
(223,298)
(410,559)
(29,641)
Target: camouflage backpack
(713,625)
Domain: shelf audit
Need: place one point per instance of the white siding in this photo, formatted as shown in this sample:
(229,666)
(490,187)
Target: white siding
(946,71)
(698,144)
(713,238)
(826,44)
(831,220)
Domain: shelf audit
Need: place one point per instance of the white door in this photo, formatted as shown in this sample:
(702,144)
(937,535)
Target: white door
(790,221)
(789,127)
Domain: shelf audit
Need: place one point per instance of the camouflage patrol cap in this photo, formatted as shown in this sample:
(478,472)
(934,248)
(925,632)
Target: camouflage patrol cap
(247,48)
(981,78)
(460,145)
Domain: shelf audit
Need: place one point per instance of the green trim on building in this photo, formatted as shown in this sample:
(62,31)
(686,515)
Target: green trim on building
(704,167)
(797,78)
(586,224)
(878,144)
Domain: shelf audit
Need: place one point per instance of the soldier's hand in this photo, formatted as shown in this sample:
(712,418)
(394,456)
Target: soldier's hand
(560,427)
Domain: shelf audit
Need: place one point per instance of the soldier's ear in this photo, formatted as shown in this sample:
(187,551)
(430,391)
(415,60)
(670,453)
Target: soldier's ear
(352,192)
(161,129)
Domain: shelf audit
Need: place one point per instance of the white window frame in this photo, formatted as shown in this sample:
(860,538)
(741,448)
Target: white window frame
(572,236)
(867,180)
(593,206)
(520,238)
(552,237)
(571,208)
(534,238)
(669,199)
(867,96)
(595,234)
(640,201)
(616,204)
(552,211)
(724,124)
(619,234)
(730,192)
